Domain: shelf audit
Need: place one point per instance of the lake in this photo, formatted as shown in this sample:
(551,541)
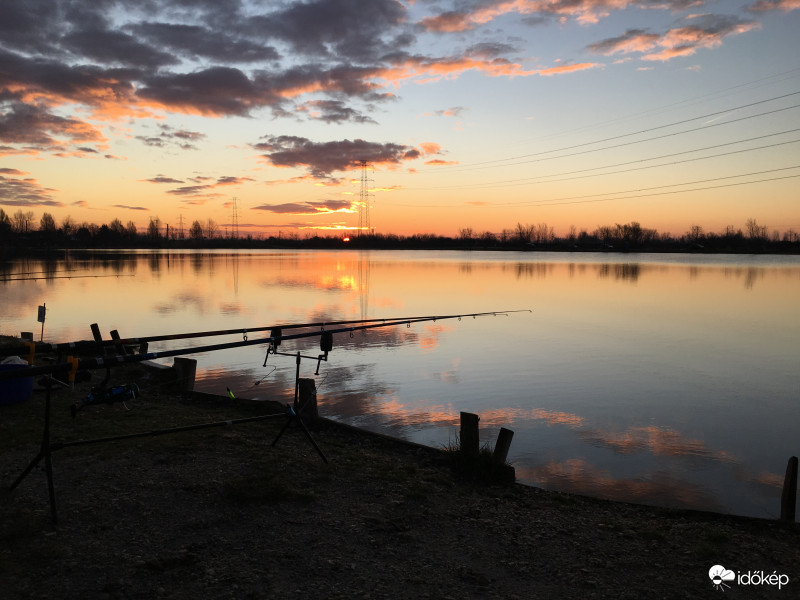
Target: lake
(671,380)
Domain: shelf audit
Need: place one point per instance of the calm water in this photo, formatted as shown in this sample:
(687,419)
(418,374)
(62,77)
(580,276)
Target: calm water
(666,379)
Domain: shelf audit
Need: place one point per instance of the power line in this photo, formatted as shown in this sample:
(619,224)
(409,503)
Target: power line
(533,180)
(490,165)
(712,187)
(787,75)
(568,199)
(657,187)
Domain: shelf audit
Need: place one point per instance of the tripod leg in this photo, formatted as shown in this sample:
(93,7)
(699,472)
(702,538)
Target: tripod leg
(311,439)
(48,465)
(27,470)
(289,417)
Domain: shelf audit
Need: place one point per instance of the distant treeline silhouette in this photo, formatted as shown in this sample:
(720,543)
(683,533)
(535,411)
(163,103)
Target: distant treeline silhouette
(21,234)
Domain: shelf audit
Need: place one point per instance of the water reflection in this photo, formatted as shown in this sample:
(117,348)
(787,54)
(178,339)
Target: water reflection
(659,488)
(683,387)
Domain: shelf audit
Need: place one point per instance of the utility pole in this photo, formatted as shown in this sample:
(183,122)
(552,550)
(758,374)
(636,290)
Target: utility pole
(235,218)
(363,200)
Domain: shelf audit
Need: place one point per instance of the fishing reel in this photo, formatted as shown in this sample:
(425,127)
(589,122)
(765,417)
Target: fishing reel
(118,393)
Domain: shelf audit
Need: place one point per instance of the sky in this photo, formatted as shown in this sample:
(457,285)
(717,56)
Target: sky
(415,116)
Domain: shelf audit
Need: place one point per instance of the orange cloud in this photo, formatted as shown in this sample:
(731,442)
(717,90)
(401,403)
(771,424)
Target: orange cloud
(584,11)
(568,69)
(432,70)
(767,5)
(685,41)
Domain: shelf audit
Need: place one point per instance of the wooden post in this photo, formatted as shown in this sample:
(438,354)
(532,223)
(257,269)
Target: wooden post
(308,398)
(469,434)
(120,348)
(502,445)
(789,494)
(98,337)
(185,370)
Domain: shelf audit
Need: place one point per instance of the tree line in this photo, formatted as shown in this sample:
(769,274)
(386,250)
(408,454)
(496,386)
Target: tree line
(20,232)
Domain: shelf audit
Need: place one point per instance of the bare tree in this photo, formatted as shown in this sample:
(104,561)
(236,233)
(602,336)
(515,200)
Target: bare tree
(211,229)
(755,231)
(68,226)
(524,233)
(696,233)
(153,228)
(22,220)
(572,234)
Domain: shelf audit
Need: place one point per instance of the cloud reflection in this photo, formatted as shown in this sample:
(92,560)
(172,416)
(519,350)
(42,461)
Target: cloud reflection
(659,488)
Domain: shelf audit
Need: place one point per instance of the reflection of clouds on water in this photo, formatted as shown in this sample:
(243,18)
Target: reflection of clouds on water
(180,302)
(660,441)
(230,308)
(659,488)
(655,440)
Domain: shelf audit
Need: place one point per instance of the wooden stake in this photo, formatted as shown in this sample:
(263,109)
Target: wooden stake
(185,370)
(502,445)
(469,434)
(789,495)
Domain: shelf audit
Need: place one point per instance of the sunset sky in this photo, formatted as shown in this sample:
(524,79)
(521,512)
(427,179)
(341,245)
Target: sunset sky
(471,114)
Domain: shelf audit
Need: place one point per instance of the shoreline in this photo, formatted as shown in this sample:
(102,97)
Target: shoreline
(220,513)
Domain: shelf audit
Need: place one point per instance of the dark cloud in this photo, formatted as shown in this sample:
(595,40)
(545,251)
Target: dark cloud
(56,81)
(35,128)
(127,207)
(163,179)
(333,111)
(307,208)
(211,91)
(193,41)
(352,29)
(321,159)
(24,192)
(631,40)
(115,47)
(172,137)
(151,141)
(191,190)
(230,180)
(489,50)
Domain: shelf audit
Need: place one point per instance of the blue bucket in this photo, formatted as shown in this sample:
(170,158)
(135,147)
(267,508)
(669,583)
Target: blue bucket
(17,390)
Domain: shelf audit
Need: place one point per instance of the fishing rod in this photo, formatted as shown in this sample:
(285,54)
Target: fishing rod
(60,277)
(86,346)
(40,272)
(75,364)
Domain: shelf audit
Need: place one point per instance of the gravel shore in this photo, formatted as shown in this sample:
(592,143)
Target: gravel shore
(220,513)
